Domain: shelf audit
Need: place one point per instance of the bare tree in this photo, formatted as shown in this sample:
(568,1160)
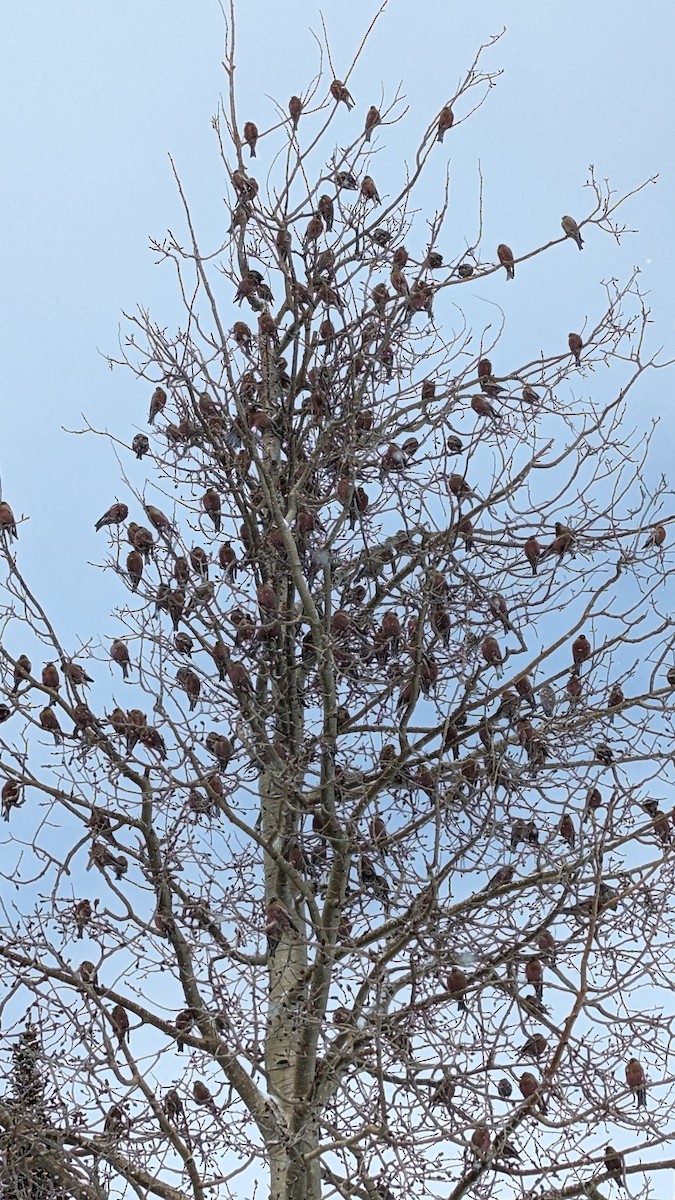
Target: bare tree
(343,863)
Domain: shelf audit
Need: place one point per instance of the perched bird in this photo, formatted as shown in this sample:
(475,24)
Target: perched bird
(75,673)
(445,120)
(82,913)
(278,922)
(294,110)
(529,1089)
(326,210)
(87,972)
(547,697)
(458,486)
(615,700)
(115,515)
(456,984)
(120,1023)
(339,93)
(505,256)
(670,677)
(7,520)
(184,1023)
(533,553)
(212,508)
(637,1081)
(22,669)
(157,402)
(529,396)
(501,878)
(10,797)
(203,1097)
(483,408)
(157,518)
(51,679)
(535,1046)
(173,1105)
(534,974)
(492,653)
(567,831)
(546,946)
(562,542)
(614,1166)
(369,190)
(576,345)
(465,270)
(480,1140)
(191,685)
(134,568)
(50,723)
(120,655)
(505,1088)
(140,445)
(581,650)
(657,537)
(604,754)
(251,136)
(571,230)
(373,119)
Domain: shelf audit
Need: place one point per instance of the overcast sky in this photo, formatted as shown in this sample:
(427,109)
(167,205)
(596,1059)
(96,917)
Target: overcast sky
(96,96)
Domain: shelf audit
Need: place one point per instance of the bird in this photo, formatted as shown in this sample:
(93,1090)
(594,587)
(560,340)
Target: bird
(50,679)
(581,650)
(480,1140)
(445,120)
(115,515)
(140,445)
(22,669)
(120,1023)
(571,230)
(251,136)
(547,697)
(505,256)
(50,723)
(134,568)
(7,520)
(157,518)
(278,922)
(562,542)
(465,270)
(294,110)
(456,984)
(157,403)
(339,93)
(501,878)
(529,1088)
(10,797)
(82,913)
(637,1082)
(505,1088)
(184,1022)
(614,1165)
(576,345)
(528,395)
(119,653)
(203,1097)
(535,1046)
(492,653)
(369,190)
(656,538)
(75,673)
(615,699)
(533,552)
(212,508)
(567,831)
(483,408)
(534,974)
(373,119)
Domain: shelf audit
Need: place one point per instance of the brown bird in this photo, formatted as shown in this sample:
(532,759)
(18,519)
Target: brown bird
(480,1140)
(184,1023)
(212,508)
(313,231)
(75,673)
(574,688)
(22,669)
(241,332)
(115,515)
(458,486)
(492,653)
(535,1046)
(326,210)
(267,599)
(399,282)
(534,974)
(369,190)
(562,543)
(294,110)
(7,521)
(483,408)
(546,945)
(278,922)
(134,568)
(505,256)
(120,655)
(191,685)
(571,230)
(465,270)
(657,537)
(445,120)
(203,1097)
(82,912)
(523,686)
(533,552)
(505,1088)
(529,395)
(456,984)
(576,345)
(140,445)
(120,1023)
(567,831)
(581,650)
(220,746)
(87,972)
(10,797)
(173,1105)
(51,679)
(501,878)
(614,1166)
(615,699)
(637,1081)
(251,136)
(529,1089)
(157,518)
(373,119)
(340,94)
(604,754)
(157,402)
